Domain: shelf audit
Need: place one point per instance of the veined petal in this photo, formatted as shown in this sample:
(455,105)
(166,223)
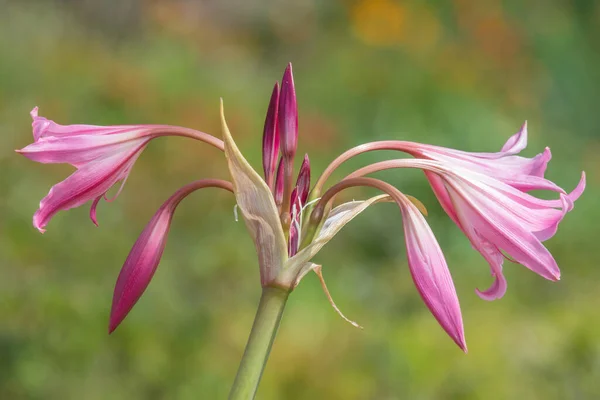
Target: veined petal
(258,209)
(78,150)
(87,183)
(144,257)
(506,233)
(43,128)
(430,273)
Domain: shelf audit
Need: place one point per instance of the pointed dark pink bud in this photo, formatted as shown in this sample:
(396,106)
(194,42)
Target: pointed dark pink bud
(288,114)
(271,137)
(144,257)
(303,181)
(279,181)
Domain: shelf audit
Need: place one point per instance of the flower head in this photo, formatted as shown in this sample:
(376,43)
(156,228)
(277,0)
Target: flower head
(103,156)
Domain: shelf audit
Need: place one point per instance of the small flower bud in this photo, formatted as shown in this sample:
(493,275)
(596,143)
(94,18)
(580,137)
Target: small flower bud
(303,181)
(271,137)
(288,115)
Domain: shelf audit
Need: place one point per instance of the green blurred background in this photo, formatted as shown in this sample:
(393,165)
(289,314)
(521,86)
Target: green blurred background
(460,73)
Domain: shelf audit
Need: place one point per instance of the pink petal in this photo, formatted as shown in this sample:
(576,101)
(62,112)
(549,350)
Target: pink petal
(87,183)
(493,223)
(517,142)
(78,150)
(431,275)
(43,128)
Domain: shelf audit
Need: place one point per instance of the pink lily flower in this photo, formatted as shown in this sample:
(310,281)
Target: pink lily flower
(496,217)
(103,156)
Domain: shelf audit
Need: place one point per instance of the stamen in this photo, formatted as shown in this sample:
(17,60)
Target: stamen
(235,212)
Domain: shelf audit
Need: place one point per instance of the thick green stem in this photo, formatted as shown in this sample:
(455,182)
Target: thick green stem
(264,329)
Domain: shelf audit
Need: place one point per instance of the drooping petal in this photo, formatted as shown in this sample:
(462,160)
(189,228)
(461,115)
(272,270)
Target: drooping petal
(271,137)
(497,226)
(430,273)
(288,115)
(497,218)
(87,183)
(144,257)
(258,209)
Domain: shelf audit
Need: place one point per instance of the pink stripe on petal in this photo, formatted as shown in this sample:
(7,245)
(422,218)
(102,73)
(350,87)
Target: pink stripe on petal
(494,224)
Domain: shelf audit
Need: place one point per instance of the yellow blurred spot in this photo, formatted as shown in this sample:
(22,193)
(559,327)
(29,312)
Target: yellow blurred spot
(378,22)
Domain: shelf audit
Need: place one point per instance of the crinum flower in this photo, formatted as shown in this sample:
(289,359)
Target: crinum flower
(485,194)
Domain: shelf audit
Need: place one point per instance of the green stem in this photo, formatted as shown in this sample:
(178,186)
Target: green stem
(264,329)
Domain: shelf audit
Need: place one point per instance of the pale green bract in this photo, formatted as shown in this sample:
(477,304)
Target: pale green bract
(258,209)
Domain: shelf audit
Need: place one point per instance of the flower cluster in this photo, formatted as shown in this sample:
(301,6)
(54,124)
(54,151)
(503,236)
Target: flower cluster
(485,194)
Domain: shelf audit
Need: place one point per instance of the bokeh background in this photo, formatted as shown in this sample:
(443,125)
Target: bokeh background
(459,73)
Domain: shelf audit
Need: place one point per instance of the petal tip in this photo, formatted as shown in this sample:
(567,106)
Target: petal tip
(34,112)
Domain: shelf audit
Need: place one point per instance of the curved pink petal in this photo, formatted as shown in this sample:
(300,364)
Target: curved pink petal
(87,183)
(517,142)
(145,255)
(43,128)
(430,273)
(497,226)
(494,292)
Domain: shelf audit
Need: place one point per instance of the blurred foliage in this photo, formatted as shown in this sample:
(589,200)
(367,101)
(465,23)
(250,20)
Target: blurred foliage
(456,73)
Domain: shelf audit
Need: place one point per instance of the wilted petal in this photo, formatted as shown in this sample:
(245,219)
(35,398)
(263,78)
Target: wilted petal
(144,257)
(430,273)
(258,209)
